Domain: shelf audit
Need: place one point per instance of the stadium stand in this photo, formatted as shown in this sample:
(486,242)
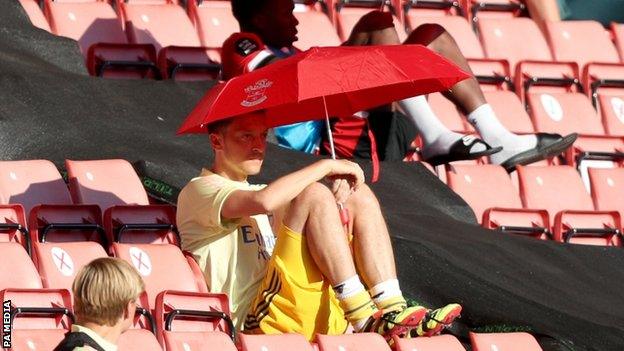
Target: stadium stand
(504,341)
(434,343)
(283,342)
(560,190)
(352,342)
(116,188)
(40,317)
(607,188)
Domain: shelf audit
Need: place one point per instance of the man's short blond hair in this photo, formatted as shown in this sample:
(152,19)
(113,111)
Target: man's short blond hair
(103,288)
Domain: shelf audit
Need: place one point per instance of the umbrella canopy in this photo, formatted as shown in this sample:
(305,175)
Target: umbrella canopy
(336,81)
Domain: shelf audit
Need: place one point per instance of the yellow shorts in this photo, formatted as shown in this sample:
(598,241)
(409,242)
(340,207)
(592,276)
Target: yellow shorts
(294,297)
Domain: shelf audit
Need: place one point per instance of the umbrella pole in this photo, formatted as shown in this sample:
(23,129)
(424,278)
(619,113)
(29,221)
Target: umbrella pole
(330,137)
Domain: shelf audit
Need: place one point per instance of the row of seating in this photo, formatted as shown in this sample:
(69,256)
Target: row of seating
(187,321)
(545,202)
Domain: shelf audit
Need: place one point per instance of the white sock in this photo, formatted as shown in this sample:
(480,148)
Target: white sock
(348,288)
(436,137)
(385,290)
(484,120)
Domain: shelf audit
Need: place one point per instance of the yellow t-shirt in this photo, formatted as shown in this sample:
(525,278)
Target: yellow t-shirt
(232,253)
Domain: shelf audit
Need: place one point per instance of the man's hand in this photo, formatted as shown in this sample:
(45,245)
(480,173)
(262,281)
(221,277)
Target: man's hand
(346,170)
(341,190)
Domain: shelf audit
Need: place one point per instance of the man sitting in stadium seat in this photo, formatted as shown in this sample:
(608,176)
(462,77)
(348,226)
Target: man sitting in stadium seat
(105,293)
(310,280)
(269,30)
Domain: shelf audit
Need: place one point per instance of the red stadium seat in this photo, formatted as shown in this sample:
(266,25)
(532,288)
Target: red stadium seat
(197,341)
(517,39)
(500,209)
(504,342)
(13,226)
(618,35)
(214,23)
(607,188)
(347,14)
(41,317)
(277,342)
(117,189)
(187,312)
(314,29)
(352,342)
(580,41)
(58,263)
(434,343)
(448,113)
(480,9)
(18,271)
(560,190)
(162,267)
(35,14)
(165,25)
(138,339)
(604,83)
(510,111)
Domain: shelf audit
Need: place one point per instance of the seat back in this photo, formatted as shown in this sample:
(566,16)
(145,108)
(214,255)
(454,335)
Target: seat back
(554,188)
(138,339)
(66,223)
(314,29)
(32,182)
(159,24)
(580,41)
(162,267)
(179,311)
(13,225)
(447,113)
(504,341)
(514,39)
(611,107)
(607,186)
(86,22)
(278,342)
(483,187)
(197,341)
(45,300)
(58,263)
(17,271)
(434,343)
(214,21)
(352,342)
(105,183)
(564,113)
(35,14)
(509,110)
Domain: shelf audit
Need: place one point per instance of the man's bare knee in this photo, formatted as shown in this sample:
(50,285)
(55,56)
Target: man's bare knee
(428,34)
(314,193)
(364,197)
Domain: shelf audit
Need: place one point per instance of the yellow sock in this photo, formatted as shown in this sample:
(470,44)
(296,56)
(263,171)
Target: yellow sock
(395,303)
(358,308)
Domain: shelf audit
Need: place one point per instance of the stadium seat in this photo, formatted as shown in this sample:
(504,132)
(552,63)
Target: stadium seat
(517,39)
(214,23)
(456,26)
(162,267)
(165,25)
(509,110)
(13,226)
(35,14)
(58,263)
(618,35)
(348,13)
(500,209)
(504,342)
(580,41)
(607,188)
(434,343)
(198,341)
(604,84)
(277,342)
(352,342)
(18,271)
(560,190)
(477,10)
(188,312)
(448,114)
(41,317)
(116,188)
(314,29)
(138,339)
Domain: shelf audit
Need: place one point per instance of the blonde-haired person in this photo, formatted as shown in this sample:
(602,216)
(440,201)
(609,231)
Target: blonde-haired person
(105,294)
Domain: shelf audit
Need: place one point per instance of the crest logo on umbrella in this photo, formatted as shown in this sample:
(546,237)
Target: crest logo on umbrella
(256,93)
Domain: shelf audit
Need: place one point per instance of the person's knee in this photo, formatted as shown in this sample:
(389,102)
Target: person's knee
(364,197)
(315,193)
(428,34)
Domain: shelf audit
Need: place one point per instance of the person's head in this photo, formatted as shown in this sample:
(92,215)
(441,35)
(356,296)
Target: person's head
(239,143)
(272,20)
(106,291)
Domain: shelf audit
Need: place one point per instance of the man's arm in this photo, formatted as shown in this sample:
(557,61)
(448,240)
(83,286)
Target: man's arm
(242,203)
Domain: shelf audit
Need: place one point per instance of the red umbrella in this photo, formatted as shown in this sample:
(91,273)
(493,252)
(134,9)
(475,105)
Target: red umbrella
(328,81)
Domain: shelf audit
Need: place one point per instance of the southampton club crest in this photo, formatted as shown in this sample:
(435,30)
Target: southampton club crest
(256,93)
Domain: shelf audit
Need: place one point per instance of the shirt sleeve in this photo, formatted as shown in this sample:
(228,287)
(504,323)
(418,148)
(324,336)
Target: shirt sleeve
(209,195)
(242,53)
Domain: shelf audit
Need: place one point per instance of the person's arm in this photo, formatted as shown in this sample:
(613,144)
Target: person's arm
(243,203)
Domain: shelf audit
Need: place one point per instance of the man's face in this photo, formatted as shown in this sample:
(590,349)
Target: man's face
(277,24)
(243,144)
